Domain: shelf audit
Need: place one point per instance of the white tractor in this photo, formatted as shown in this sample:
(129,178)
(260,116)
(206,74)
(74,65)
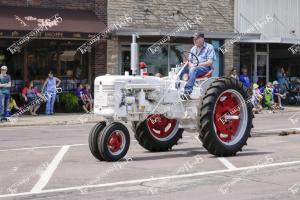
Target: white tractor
(218,109)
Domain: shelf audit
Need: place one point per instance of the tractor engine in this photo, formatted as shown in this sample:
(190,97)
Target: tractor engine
(135,97)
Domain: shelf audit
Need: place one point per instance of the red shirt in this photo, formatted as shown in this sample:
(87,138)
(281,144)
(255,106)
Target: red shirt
(24,90)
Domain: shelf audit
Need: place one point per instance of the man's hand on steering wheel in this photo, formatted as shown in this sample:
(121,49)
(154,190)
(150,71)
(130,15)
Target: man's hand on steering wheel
(192,65)
(189,63)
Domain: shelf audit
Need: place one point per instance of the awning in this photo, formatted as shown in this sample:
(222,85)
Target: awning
(275,40)
(184,34)
(17,21)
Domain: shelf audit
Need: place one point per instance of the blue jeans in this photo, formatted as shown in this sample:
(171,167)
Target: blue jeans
(4,101)
(193,74)
(51,96)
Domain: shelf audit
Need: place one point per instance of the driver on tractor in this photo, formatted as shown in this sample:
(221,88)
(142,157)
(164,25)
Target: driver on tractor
(199,66)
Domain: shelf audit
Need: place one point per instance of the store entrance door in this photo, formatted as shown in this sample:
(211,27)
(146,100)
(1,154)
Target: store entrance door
(124,62)
(261,68)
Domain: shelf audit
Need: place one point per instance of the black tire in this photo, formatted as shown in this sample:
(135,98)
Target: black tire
(103,142)
(93,139)
(291,99)
(146,140)
(206,124)
(134,125)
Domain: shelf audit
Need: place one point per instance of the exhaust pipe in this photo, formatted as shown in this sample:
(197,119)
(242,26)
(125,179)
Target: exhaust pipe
(134,54)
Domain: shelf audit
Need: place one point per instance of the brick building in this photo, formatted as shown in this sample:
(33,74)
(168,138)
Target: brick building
(156,19)
(56,48)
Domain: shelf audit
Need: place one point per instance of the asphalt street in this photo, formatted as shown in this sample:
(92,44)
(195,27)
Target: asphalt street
(54,162)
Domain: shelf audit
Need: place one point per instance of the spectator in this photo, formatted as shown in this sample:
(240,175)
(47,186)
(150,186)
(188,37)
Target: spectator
(268,97)
(40,85)
(244,78)
(13,107)
(233,73)
(158,75)
(256,99)
(81,99)
(5,84)
(280,76)
(88,97)
(185,77)
(278,95)
(51,83)
(30,94)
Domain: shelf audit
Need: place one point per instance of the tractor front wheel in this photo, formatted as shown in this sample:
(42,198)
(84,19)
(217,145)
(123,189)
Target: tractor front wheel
(109,142)
(93,139)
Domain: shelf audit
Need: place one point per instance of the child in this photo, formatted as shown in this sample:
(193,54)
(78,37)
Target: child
(13,107)
(256,99)
(233,73)
(268,97)
(81,97)
(244,78)
(185,77)
(88,97)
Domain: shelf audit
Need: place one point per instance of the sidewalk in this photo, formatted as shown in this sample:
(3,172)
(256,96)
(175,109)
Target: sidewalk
(81,118)
(57,119)
(292,108)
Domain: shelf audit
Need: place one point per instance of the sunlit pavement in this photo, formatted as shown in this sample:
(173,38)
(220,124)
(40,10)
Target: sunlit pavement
(54,162)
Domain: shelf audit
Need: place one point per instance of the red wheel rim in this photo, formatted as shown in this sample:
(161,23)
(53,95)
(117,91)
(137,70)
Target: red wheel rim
(115,142)
(162,128)
(227,116)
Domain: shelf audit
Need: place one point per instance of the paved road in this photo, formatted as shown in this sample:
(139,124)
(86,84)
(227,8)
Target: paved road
(54,162)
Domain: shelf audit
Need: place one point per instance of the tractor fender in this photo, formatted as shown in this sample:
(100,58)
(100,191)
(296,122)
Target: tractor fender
(204,85)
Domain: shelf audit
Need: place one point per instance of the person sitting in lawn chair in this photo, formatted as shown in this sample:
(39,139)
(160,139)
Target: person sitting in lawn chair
(278,95)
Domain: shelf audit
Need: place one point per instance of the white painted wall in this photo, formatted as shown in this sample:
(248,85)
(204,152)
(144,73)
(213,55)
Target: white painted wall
(285,15)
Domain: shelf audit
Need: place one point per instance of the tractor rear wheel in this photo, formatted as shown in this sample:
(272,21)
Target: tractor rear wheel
(225,117)
(158,133)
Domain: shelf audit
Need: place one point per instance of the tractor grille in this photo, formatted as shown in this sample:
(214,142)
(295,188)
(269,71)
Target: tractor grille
(104,96)
(107,87)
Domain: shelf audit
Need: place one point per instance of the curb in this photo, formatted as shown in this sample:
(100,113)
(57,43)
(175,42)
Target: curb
(7,124)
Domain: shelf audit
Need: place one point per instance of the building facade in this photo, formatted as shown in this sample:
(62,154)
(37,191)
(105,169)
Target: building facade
(56,48)
(166,27)
(278,23)
(249,34)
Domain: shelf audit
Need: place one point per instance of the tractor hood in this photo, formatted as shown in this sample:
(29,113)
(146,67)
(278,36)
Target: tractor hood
(108,91)
(112,79)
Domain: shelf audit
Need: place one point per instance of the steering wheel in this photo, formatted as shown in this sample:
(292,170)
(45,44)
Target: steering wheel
(193,55)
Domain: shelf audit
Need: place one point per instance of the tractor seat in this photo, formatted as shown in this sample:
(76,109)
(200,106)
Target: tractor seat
(207,75)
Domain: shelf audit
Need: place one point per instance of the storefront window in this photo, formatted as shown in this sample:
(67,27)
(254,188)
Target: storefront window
(60,58)
(157,62)
(166,57)
(42,56)
(178,53)
(247,58)
(280,57)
